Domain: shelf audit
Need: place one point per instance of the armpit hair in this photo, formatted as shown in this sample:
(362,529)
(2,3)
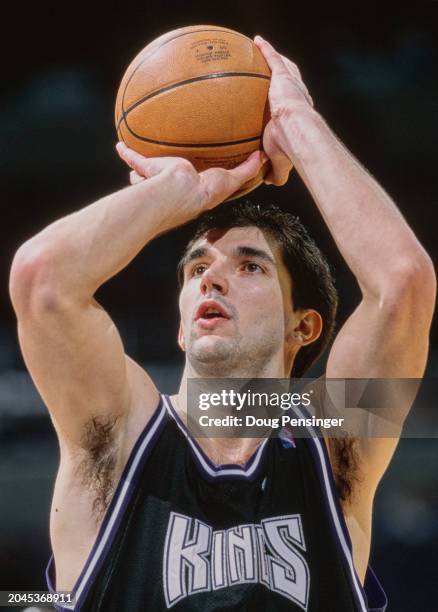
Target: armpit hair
(346,466)
(97,468)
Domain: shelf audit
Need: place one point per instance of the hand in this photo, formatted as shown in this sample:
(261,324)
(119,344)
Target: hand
(205,189)
(287,93)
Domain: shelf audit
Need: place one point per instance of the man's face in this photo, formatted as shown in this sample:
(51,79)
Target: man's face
(235,304)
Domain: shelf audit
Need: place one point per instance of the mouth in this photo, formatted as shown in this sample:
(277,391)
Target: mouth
(210,313)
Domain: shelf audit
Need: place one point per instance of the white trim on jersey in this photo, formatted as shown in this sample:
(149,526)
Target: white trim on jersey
(219,471)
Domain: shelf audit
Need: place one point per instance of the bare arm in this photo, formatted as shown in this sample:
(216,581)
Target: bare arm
(71,346)
(387,335)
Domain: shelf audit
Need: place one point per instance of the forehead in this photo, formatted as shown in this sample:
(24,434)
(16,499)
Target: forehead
(225,241)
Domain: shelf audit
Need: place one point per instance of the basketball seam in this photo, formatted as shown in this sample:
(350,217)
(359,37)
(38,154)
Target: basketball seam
(205,77)
(180,84)
(170,40)
(192,145)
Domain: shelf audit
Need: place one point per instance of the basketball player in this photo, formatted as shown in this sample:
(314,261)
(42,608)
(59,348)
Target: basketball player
(144,517)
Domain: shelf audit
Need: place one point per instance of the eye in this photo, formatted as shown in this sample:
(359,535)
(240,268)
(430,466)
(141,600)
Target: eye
(252,267)
(198,270)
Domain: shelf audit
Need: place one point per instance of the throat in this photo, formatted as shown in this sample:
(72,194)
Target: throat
(224,451)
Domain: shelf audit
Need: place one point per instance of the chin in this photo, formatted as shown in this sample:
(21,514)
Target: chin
(210,349)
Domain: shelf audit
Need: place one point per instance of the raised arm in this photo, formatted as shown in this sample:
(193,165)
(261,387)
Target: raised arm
(387,335)
(70,345)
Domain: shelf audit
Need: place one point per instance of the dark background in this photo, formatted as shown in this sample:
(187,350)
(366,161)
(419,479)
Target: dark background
(372,73)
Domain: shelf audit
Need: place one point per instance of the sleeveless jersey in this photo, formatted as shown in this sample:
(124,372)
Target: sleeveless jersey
(186,535)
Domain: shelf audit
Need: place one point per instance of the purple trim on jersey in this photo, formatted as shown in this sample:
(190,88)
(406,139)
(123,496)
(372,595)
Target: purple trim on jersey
(114,514)
(286,438)
(347,558)
(377,599)
(209,470)
(374,594)
(50,582)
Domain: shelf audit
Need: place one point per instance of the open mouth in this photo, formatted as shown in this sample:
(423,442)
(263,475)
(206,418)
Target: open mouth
(210,310)
(211,313)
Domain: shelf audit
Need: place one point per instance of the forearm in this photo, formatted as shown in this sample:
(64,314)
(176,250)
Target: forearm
(370,232)
(78,253)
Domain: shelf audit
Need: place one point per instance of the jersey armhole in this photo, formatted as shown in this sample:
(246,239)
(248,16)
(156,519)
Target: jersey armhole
(370,597)
(115,511)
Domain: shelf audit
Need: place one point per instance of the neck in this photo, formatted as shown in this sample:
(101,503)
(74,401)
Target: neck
(220,451)
(226,450)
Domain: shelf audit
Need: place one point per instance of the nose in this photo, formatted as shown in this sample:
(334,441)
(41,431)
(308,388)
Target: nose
(213,280)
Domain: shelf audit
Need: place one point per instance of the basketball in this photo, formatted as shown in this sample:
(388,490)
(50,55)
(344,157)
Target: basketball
(199,92)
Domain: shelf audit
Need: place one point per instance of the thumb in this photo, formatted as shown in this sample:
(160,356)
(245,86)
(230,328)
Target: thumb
(219,184)
(281,166)
(249,168)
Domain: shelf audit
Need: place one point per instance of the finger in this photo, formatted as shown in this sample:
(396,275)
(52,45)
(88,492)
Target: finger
(144,166)
(249,168)
(309,99)
(139,164)
(273,58)
(281,166)
(220,183)
(296,74)
(279,175)
(135,178)
(291,66)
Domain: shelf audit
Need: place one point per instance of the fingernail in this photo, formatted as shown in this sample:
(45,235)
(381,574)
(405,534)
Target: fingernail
(258,38)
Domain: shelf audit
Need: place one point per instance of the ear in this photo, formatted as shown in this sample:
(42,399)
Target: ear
(181,341)
(309,327)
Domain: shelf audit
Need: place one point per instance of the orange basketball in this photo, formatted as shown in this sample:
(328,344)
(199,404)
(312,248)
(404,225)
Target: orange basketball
(199,92)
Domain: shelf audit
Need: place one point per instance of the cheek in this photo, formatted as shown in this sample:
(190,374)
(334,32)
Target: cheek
(187,300)
(183,307)
(264,304)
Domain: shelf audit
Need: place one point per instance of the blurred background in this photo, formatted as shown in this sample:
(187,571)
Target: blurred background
(372,72)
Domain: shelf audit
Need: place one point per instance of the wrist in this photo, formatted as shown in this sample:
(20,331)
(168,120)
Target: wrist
(300,129)
(172,197)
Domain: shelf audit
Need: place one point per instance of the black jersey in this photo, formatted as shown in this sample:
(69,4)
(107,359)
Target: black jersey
(184,534)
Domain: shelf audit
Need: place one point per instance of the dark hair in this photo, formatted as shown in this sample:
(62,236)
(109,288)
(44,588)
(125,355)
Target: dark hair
(313,285)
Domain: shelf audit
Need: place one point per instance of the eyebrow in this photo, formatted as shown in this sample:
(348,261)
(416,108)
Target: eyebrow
(195,254)
(240,251)
(245,251)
